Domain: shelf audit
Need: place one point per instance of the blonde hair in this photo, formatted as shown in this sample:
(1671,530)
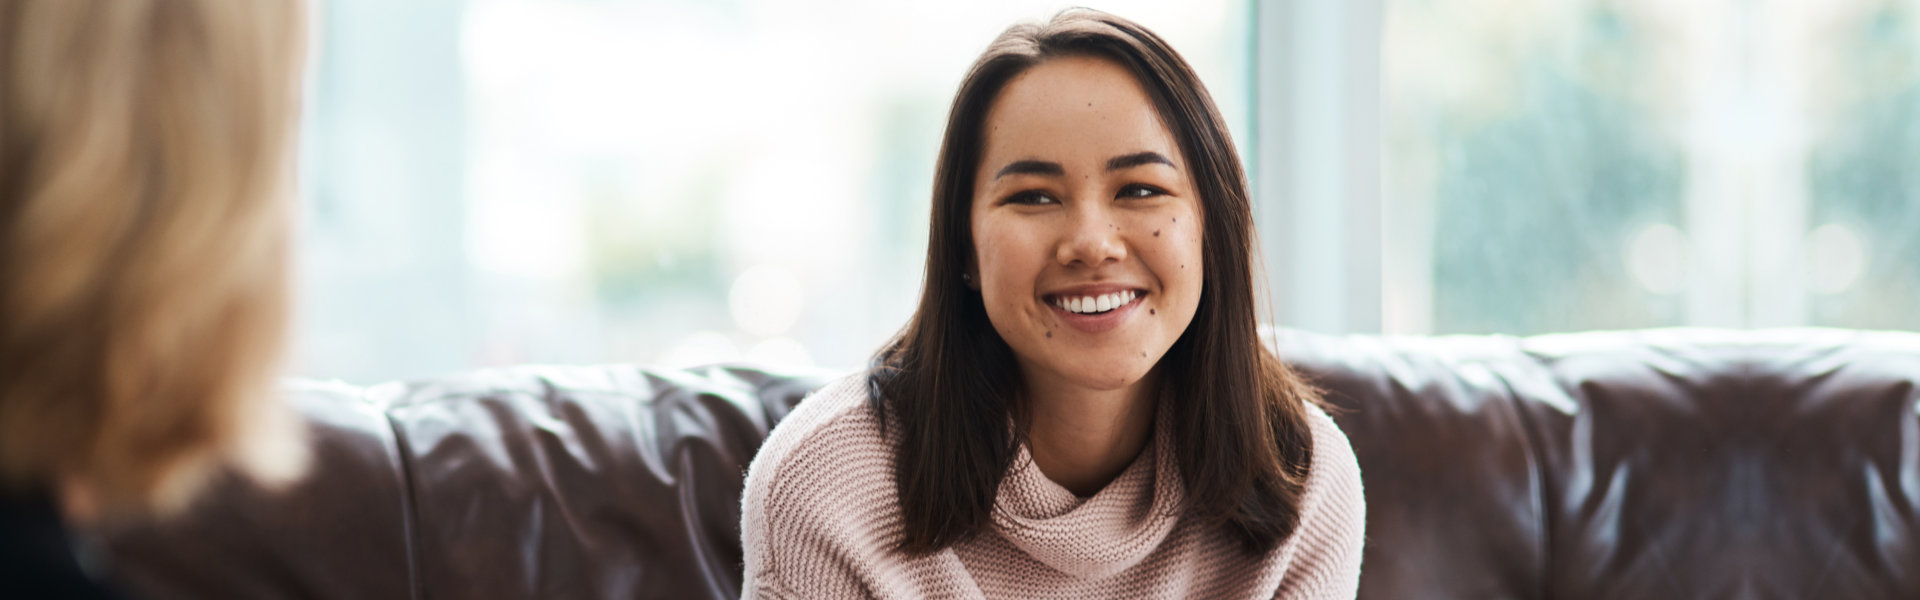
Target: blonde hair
(144,168)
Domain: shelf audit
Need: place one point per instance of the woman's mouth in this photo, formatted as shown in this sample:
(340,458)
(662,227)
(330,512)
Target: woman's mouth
(1093,305)
(1096,312)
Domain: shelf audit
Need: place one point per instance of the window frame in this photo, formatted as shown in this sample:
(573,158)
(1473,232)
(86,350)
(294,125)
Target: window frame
(1316,167)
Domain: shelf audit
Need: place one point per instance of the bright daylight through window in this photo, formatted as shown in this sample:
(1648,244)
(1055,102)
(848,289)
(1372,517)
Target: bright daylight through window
(663,182)
(1588,165)
(672,183)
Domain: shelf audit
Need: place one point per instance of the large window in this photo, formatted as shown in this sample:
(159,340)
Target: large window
(1594,164)
(667,182)
(676,182)
(1861,162)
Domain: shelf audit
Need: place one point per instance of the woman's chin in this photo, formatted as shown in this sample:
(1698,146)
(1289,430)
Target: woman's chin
(1107,377)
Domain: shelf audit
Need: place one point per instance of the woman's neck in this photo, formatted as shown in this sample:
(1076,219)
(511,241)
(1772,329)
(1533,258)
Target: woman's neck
(1083,438)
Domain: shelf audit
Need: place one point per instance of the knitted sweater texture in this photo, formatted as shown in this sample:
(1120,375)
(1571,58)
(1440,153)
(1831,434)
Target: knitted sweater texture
(820,515)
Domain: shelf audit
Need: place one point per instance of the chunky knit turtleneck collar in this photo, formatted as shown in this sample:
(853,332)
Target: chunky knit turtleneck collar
(1100,535)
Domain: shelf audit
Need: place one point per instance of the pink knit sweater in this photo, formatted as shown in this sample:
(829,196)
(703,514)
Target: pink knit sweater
(820,515)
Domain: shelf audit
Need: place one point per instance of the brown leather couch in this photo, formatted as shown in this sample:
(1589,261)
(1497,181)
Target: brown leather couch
(1649,464)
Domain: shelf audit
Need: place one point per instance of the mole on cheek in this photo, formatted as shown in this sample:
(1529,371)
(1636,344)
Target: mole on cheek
(1152,311)
(1049,334)
(1156,233)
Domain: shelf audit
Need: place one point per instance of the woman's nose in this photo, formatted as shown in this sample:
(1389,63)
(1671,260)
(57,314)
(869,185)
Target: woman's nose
(1092,238)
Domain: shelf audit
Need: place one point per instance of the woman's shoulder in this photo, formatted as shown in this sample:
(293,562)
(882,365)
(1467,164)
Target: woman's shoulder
(1332,533)
(1334,468)
(833,420)
(821,486)
(830,448)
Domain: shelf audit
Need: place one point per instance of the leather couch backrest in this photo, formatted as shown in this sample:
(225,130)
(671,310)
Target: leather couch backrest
(1652,464)
(530,482)
(1649,464)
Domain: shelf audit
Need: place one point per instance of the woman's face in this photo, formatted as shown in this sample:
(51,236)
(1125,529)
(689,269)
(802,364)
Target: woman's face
(1086,227)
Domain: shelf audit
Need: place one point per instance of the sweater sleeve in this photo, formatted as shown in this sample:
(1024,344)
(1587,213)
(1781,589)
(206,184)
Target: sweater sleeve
(1333,521)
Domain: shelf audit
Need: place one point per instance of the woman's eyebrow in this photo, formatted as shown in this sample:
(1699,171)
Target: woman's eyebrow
(1128,161)
(1041,167)
(1032,167)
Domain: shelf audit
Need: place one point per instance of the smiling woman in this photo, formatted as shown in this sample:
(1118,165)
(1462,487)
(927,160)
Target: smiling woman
(1080,407)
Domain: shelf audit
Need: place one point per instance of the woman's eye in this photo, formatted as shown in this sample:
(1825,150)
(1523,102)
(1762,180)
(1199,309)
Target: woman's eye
(1138,190)
(1030,198)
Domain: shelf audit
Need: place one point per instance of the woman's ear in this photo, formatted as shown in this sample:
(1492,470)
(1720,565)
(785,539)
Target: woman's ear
(970,275)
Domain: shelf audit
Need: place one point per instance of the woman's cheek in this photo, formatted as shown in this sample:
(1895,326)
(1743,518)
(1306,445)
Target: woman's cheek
(1176,243)
(994,257)
(1006,272)
(1176,239)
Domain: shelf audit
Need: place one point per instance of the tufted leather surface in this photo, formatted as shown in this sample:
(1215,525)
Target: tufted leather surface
(1646,464)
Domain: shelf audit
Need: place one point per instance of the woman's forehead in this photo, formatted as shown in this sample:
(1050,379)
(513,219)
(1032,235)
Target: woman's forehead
(1075,109)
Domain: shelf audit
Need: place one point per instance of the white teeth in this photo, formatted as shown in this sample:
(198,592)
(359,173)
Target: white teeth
(1096,304)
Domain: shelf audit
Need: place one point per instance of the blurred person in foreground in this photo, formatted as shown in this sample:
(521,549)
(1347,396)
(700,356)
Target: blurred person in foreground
(144,212)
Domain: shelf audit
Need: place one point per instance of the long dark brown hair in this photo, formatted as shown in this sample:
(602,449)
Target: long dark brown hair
(949,383)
